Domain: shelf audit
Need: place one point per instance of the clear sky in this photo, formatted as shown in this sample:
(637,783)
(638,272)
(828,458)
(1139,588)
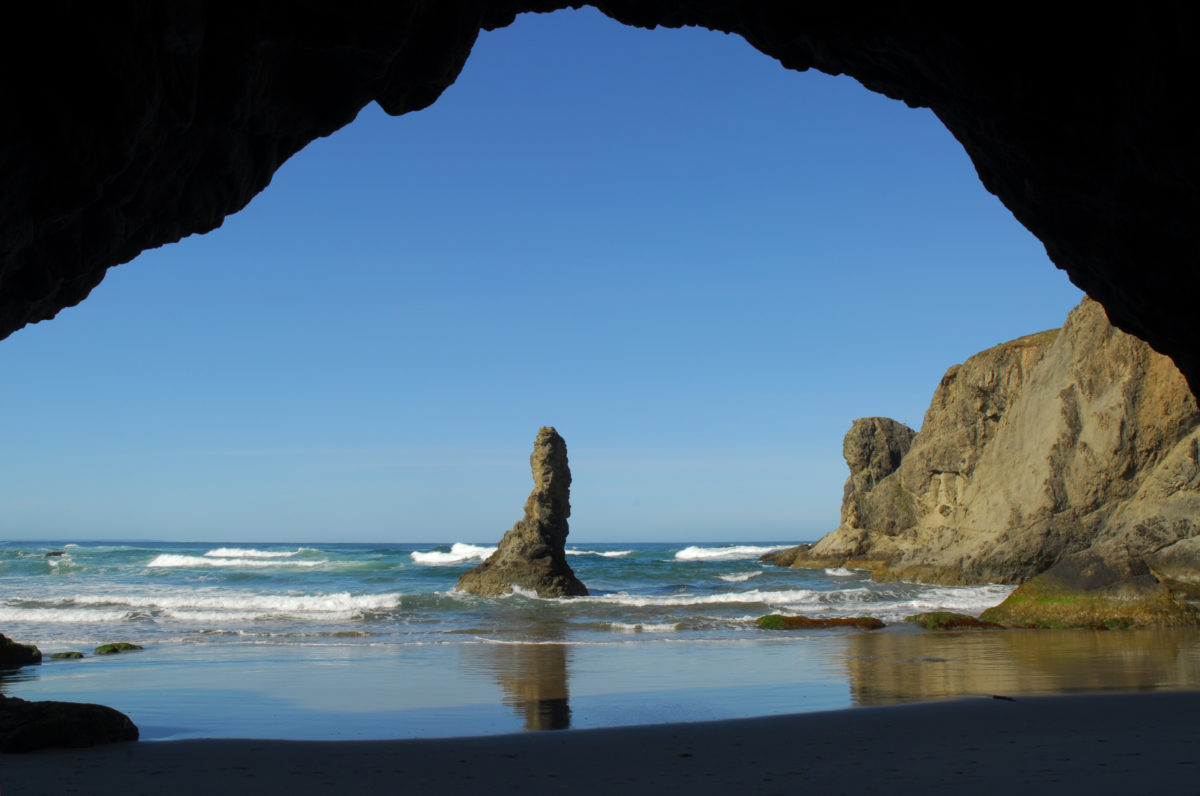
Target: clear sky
(698,266)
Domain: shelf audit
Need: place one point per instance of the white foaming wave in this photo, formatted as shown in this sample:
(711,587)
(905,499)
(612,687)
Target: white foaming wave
(11,614)
(643,627)
(248,552)
(248,602)
(839,572)
(173,560)
(740,577)
(787,597)
(971,600)
(727,553)
(459,552)
(208,608)
(601,553)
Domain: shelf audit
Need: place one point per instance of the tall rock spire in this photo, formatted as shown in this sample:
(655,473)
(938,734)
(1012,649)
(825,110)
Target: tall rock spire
(532,555)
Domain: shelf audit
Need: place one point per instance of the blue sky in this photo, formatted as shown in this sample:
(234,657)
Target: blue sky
(698,266)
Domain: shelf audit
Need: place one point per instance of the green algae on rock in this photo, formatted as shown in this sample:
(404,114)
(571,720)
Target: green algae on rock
(66,656)
(1086,591)
(115,648)
(14,654)
(781,622)
(948,620)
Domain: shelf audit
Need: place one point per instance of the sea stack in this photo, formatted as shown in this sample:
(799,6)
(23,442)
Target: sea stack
(1067,462)
(532,555)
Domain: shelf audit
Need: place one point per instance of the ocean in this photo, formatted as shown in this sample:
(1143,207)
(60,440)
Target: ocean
(372,640)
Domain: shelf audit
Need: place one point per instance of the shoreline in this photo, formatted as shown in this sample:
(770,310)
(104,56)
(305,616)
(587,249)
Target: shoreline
(1110,743)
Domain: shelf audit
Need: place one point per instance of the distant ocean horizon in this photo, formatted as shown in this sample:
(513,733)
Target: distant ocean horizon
(331,640)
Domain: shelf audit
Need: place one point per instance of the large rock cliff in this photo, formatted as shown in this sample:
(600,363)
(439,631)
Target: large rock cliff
(1074,453)
(532,555)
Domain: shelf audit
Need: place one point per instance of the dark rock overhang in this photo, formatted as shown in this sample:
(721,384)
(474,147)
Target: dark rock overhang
(130,125)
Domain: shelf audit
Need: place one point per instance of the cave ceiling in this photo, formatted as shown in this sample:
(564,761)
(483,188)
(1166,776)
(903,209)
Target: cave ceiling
(131,125)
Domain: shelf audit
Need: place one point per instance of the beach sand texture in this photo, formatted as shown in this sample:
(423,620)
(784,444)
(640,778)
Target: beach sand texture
(1128,744)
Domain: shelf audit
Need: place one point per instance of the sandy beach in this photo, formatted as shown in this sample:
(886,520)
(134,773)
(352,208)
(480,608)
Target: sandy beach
(1127,744)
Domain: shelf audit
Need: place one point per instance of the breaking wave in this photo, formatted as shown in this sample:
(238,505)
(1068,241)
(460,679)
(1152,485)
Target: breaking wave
(458,553)
(727,553)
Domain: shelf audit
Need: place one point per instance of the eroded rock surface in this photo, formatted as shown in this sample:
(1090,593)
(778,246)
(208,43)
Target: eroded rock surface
(533,554)
(1065,452)
(143,123)
(27,726)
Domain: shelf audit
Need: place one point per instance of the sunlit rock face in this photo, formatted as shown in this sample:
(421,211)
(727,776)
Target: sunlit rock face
(532,555)
(1067,460)
(130,126)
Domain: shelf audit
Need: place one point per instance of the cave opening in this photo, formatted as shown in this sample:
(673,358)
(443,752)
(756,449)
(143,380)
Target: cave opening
(697,264)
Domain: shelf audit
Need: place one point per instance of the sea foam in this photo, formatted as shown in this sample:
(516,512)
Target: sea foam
(175,560)
(240,552)
(459,553)
(739,577)
(210,606)
(727,553)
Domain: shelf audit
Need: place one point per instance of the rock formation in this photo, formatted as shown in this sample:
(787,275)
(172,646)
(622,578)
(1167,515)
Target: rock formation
(146,122)
(532,555)
(13,653)
(27,726)
(1070,455)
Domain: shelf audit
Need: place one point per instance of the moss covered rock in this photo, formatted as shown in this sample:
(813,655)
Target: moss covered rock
(947,620)
(781,622)
(1085,591)
(115,648)
(14,654)
(66,656)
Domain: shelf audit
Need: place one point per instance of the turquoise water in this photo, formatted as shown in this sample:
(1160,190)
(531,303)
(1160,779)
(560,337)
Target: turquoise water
(220,594)
(372,641)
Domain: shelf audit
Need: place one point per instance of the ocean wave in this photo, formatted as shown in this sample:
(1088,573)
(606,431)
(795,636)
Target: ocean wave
(240,552)
(839,572)
(171,560)
(601,553)
(784,597)
(727,553)
(643,627)
(337,602)
(459,553)
(740,577)
(9,614)
(207,607)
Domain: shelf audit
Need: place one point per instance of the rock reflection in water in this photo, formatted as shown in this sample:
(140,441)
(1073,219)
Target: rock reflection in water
(886,668)
(533,676)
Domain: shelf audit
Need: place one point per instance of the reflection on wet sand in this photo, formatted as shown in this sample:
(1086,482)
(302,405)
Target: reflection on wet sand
(890,667)
(533,676)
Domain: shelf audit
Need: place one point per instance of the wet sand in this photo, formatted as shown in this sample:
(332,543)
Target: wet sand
(1134,743)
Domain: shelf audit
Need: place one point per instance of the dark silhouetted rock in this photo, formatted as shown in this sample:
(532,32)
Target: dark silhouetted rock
(532,555)
(27,726)
(14,654)
(153,121)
